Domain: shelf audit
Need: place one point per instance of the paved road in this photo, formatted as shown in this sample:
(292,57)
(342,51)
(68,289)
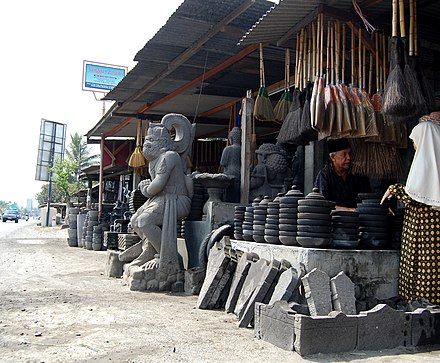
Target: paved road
(56,305)
(9,227)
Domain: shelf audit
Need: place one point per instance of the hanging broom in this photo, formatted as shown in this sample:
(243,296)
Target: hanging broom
(397,99)
(263,109)
(137,160)
(282,107)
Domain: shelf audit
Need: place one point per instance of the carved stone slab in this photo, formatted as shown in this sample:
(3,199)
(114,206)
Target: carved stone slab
(275,324)
(317,292)
(425,327)
(288,282)
(325,334)
(247,314)
(244,263)
(343,296)
(253,278)
(217,264)
(382,328)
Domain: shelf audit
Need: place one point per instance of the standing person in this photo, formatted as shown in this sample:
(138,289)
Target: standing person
(420,253)
(335,180)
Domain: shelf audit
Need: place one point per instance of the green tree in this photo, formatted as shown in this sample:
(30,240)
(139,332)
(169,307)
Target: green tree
(66,173)
(79,153)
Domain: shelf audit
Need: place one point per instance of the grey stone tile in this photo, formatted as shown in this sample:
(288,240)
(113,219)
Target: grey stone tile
(113,266)
(255,273)
(343,295)
(246,315)
(287,283)
(333,333)
(244,263)
(425,327)
(221,291)
(317,292)
(217,264)
(275,324)
(382,328)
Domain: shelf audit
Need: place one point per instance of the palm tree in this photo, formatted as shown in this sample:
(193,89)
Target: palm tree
(79,153)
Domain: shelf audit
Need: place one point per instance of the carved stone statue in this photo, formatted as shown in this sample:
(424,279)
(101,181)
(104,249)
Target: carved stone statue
(231,164)
(272,172)
(169,193)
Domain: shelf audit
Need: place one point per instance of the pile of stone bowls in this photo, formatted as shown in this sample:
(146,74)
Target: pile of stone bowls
(345,231)
(271,228)
(314,220)
(238,221)
(374,222)
(260,212)
(248,223)
(288,215)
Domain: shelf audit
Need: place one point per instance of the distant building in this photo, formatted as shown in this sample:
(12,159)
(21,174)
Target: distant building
(29,205)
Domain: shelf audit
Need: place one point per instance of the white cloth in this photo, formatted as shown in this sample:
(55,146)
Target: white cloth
(423,182)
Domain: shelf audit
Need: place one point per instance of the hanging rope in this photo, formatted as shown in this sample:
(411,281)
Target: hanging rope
(370,28)
(201,87)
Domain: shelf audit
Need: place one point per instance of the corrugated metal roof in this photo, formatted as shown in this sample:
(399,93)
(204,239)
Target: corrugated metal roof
(160,72)
(192,43)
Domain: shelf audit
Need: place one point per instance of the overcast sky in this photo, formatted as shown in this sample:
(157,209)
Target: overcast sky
(43,46)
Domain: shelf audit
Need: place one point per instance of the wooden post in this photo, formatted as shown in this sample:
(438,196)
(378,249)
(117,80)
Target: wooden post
(101,178)
(246,147)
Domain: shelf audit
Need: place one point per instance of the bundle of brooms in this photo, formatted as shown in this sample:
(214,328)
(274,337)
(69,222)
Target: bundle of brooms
(137,159)
(263,109)
(281,109)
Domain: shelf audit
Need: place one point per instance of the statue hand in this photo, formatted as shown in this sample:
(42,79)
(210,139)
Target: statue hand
(143,185)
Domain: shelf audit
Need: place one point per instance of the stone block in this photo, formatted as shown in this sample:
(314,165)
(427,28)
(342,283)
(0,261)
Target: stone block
(317,292)
(287,283)
(241,271)
(131,253)
(113,266)
(382,328)
(255,273)
(194,280)
(246,315)
(343,295)
(334,333)
(425,327)
(217,264)
(219,295)
(275,324)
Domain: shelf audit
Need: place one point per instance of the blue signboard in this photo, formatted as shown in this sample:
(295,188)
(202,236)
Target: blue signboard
(100,77)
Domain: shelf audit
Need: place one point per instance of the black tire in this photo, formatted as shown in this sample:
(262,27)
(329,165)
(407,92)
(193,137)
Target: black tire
(317,216)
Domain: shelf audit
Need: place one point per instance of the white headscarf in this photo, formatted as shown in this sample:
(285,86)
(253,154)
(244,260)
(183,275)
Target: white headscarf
(423,183)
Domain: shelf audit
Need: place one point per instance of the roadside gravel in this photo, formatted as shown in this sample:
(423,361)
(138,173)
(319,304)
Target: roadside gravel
(56,305)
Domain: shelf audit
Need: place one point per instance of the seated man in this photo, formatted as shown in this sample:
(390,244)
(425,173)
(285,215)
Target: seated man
(336,182)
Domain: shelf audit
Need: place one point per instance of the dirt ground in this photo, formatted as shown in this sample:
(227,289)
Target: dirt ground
(56,305)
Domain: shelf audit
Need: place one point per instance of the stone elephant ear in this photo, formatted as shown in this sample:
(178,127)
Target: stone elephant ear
(185,131)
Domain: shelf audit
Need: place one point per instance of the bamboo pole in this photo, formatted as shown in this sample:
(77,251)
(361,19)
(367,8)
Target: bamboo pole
(411,28)
(313,50)
(402,18)
(328,53)
(332,58)
(337,50)
(343,53)
(322,42)
(376,45)
(360,58)
(352,56)
(295,80)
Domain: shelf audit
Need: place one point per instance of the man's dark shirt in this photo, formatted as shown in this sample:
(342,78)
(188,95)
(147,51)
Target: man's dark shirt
(343,192)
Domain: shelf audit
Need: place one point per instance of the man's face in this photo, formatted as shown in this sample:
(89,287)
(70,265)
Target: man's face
(341,159)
